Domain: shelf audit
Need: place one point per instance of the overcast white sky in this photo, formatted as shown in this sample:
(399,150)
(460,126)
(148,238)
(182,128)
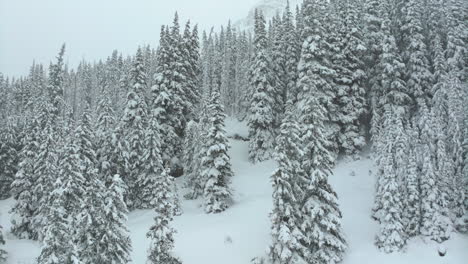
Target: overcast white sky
(35,29)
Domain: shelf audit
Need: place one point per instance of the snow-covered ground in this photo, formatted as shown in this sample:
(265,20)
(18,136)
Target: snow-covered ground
(242,232)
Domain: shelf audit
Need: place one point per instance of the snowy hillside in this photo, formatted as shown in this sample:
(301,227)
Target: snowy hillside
(269,8)
(243,231)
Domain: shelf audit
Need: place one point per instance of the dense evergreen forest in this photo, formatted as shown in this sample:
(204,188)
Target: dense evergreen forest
(321,82)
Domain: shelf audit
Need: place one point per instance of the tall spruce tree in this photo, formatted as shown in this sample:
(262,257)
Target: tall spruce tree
(106,150)
(161,233)
(190,58)
(287,236)
(89,219)
(3,253)
(418,75)
(291,46)
(152,163)
(216,163)
(389,200)
(192,145)
(115,245)
(390,88)
(134,125)
(315,71)
(58,244)
(9,146)
(25,207)
(45,167)
(166,101)
(350,81)
(435,222)
(261,119)
(324,237)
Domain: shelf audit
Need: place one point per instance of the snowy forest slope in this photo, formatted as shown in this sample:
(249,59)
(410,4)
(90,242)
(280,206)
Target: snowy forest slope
(243,232)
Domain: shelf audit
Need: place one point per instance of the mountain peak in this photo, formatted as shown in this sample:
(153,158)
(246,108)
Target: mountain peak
(269,8)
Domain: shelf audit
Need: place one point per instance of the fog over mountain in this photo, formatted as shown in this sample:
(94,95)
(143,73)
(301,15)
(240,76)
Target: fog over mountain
(268,7)
(34,30)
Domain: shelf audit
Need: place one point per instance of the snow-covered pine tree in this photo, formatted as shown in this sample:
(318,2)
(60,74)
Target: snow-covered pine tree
(456,50)
(3,253)
(90,222)
(89,219)
(73,180)
(9,147)
(227,64)
(153,165)
(287,245)
(325,239)
(291,46)
(315,71)
(351,93)
(45,162)
(444,166)
(197,178)
(412,198)
(278,63)
(55,86)
(107,162)
(216,163)
(115,245)
(435,222)
(166,102)
(45,168)
(58,247)
(178,81)
(415,52)
(391,88)
(243,62)
(190,60)
(454,135)
(261,118)
(22,188)
(161,233)
(192,144)
(391,236)
(134,126)
(373,37)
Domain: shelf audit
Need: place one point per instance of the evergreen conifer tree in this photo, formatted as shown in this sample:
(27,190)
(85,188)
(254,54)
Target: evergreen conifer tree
(25,207)
(324,237)
(315,71)
(418,75)
(153,165)
(115,244)
(161,233)
(261,119)
(350,82)
(58,245)
(216,164)
(435,222)
(106,151)
(9,146)
(134,125)
(287,246)
(412,201)
(166,102)
(391,236)
(46,170)
(3,253)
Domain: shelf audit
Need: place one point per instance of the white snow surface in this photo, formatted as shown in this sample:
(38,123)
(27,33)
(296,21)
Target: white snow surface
(243,231)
